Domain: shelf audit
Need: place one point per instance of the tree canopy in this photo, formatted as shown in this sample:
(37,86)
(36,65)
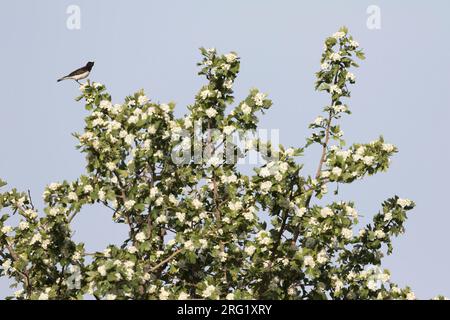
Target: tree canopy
(198,226)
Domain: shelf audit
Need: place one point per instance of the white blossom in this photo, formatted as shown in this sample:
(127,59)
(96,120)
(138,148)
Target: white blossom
(250,250)
(205,94)
(140,237)
(43,296)
(259,98)
(230,296)
(23,225)
(290,152)
(335,89)
(265,186)
(339,35)
(336,171)
(183,296)
(6,265)
(129,204)
(404,202)
(354,43)
(322,257)
(387,216)
(211,112)
(105,104)
(379,234)
(308,261)
(54,186)
(325,66)
(142,99)
(372,285)
(368,160)
(388,147)
(410,296)
(235,206)
(163,294)
(326,212)
(246,109)
(102,270)
(197,204)
(132,249)
(208,292)
(72,196)
(318,121)
(335,56)
(129,138)
(264,172)
(6,229)
(350,76)
(228,130)
(189,245)
(180,216)
(347,233)
(214,161)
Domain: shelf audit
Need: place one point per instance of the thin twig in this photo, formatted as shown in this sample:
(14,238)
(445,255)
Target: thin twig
(31,200)
(159,265)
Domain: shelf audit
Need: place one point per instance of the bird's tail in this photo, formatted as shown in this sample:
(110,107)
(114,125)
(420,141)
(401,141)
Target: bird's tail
(61,79)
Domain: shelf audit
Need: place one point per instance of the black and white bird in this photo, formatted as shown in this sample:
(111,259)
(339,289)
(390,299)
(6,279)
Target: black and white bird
(80,73)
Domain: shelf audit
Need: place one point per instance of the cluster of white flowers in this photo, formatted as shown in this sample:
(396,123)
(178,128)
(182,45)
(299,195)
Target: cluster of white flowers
(335,56)
(181,216)
(263,238)
(319,121)
(129,204)
(189,245)
(211,112)
(266,186)
(229,178)
(379,234)
(140,237)
(196,203)
(308,261)
(246,109)
(339,108)
(338,35)
(164,294)
(205,94)
(209,291)
(347,233)
(326,212)
(6,229)
(299,212)
(325,66)
(235,206)
(404,202)
(336,171)
(250,250)
(335,89)
(259,98)
(249,214)
(105,104)
(351,212)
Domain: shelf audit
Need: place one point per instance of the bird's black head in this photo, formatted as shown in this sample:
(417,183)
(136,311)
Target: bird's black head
(89,65)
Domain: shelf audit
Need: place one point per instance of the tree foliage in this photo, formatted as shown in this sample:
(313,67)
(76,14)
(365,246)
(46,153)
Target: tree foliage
(201,228)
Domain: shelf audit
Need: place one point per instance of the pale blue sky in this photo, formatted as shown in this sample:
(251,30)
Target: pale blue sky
(402,93)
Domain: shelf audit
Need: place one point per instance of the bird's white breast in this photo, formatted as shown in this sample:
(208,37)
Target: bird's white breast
(80,76)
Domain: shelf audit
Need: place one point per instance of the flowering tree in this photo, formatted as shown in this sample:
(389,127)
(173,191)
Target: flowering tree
(198,226)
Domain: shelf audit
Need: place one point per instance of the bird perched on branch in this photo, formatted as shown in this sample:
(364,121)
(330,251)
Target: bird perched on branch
(80,73)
